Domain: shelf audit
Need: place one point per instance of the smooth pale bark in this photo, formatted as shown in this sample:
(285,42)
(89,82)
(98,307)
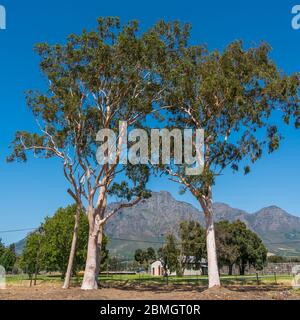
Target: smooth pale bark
(90,273)
(95,216)
(212,261)
(72,251)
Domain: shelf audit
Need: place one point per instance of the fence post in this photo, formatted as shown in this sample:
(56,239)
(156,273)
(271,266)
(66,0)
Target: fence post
(257,279)
(275,277)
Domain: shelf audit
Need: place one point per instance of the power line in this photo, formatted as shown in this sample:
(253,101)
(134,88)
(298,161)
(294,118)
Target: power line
(17,230)
(136,240)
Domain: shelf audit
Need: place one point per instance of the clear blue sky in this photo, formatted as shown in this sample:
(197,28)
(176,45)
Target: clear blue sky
(29,192)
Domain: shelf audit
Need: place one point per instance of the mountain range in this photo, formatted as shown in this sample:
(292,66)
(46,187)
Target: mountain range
(146,224)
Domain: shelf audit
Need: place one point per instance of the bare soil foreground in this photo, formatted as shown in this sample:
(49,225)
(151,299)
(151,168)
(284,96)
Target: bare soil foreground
(53,291)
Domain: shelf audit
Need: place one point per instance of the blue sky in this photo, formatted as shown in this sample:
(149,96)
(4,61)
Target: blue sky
(30,191)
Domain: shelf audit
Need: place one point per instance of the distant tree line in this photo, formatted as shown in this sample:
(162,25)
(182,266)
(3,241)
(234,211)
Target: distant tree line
(236,245)
(281,259)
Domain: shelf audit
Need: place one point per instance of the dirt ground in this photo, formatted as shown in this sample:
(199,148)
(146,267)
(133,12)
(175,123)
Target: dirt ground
(48,291)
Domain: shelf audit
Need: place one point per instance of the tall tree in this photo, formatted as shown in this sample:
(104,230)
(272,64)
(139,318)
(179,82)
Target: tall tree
(236,244)
(192,245)
(31,260)
(57,240)
(169,254)
(251,248)
(95,80)
(236,96)
(228,250)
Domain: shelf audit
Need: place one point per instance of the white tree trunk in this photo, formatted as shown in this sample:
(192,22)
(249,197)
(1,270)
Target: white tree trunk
(72,251)
(213,270)
(91,267)
(89,280)
(90,274)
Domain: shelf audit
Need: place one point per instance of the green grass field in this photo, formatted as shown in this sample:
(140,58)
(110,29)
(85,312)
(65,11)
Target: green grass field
(149,280)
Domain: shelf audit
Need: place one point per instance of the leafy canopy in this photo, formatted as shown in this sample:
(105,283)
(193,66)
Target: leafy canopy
(237,97)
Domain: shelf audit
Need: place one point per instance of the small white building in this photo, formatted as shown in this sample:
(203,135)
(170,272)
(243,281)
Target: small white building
(157,269)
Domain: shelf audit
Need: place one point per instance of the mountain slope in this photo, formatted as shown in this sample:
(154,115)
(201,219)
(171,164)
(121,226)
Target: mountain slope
(147,221)
(162,213)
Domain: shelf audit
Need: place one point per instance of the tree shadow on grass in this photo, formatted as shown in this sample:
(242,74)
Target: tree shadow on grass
(258,288)
(164,288)
(155,288)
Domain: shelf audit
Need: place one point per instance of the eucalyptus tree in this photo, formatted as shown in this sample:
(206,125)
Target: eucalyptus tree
(237,97)
(95,80)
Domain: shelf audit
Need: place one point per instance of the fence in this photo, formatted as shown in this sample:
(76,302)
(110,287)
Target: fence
(272,268)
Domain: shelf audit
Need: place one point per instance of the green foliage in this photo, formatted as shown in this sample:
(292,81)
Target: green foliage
(281,259)
(151,255)
(49,247)
(251,250)
(227,246)
(31,260)
(58,233)
(169,253)
(8,257)
(95,80)
(145,257)
(192,245)
(236,244)
(139,256)
(235,96)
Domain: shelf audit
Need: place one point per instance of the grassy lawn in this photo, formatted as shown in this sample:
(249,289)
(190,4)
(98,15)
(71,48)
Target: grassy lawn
(226,280)
(148,279)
